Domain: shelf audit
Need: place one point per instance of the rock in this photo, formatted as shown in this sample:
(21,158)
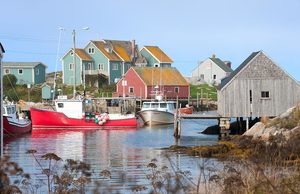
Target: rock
(255,130)
(287,113)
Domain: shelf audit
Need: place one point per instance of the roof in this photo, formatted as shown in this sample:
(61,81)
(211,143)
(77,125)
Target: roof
(22,64)
(123,48)
(122,53)
(221,64)
(2,49)
(238,69)
(167,76)
(83,55)
(104,49)
(159,54)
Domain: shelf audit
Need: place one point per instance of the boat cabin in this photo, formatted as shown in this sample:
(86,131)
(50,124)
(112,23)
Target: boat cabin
(9,110)
(71,108)
(162,106)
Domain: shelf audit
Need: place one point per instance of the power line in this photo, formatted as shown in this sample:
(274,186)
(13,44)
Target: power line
(34,53)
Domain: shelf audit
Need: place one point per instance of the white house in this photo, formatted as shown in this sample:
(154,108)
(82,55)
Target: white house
(211,71)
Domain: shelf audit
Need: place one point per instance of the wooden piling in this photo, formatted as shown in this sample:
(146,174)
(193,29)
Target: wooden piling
(176,122)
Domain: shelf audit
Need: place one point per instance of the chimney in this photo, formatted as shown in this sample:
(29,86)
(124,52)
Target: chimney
(133,51)
(213,56)
(228,63)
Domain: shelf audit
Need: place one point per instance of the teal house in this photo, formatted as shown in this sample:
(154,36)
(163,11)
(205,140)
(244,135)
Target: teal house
(26,72)
(71,74)
(156,57)
(106,58)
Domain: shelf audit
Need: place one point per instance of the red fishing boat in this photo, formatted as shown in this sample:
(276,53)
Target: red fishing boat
(70,114)
(13,124)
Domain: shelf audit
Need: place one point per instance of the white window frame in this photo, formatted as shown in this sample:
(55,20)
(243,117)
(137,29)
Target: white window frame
(114,67)
(7,71)
(37,72)
(101,66)
(21,72)
(91,50)
(129,88)
(71,66)
(176,88)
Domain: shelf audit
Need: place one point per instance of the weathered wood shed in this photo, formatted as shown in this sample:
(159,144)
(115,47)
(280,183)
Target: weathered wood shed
(258,87)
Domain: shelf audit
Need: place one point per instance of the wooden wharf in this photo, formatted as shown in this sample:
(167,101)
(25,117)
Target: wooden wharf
(199,116)
(224,123)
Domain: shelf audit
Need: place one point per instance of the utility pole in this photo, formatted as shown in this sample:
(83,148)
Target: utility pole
(74,63)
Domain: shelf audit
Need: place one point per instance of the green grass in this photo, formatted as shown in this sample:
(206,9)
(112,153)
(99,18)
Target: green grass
(206,90)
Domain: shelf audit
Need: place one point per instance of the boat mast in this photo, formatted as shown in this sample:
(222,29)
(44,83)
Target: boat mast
(1,94)
(56,62)
(74,63)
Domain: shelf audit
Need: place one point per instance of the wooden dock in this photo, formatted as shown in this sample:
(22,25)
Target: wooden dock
(199,116)
(224,123)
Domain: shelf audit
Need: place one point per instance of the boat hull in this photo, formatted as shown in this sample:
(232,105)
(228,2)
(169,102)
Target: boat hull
(154,117)
(187,110)
(12,128)
(51,119)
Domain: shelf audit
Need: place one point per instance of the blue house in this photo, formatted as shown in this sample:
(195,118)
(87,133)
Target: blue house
(70,72)
(156,57)
(108,58)
(26,72)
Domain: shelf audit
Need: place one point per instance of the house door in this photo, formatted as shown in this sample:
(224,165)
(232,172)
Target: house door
(250,100)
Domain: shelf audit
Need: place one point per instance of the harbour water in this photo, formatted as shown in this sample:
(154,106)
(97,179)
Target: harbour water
(119,151)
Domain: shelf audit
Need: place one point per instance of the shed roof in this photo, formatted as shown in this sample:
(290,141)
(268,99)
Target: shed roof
(238,69)
(22,64)
(2,49)
(159,54)
(221,64)
(167,76)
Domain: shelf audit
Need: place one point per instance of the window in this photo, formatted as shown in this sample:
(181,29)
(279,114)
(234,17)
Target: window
(176,89)
(6,71)
(37,71)
(265,94)
(114,66)
(163,105)
(156,64)
(202,76)
(71,53)
(91,50)
(250,96)
(215,76)
(71,66)
(60,105)
(20,71)
(101,66)
(131,90)
(88,67)
(146,105)
(154,105)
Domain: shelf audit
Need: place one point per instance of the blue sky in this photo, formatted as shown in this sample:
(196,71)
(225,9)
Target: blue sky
(188,31)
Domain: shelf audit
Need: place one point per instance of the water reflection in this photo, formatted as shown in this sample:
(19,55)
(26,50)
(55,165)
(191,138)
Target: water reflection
(119,151)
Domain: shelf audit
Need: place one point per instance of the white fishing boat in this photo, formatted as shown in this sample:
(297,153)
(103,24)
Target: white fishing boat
(13,123)
(158,112)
